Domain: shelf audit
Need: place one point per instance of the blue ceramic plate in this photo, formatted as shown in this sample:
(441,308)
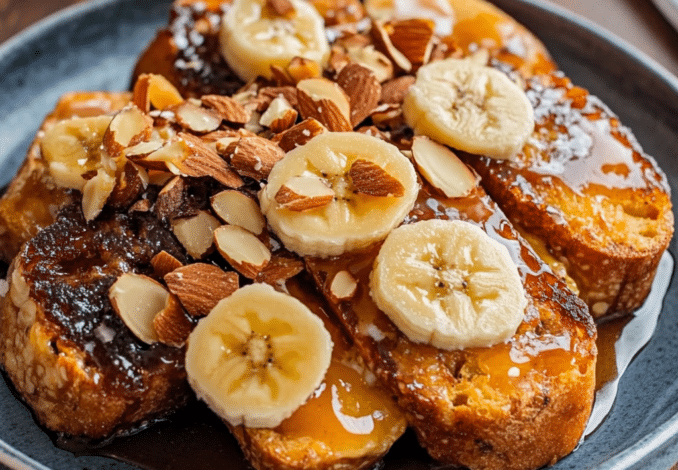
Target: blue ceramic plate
(94,46)
(670,10)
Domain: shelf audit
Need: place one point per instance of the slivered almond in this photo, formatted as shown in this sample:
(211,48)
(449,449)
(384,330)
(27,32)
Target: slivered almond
(363,90)
(326,102)
(171,324)
(394,91)
(371,179)
(236,208)
(299,134)
(196,233)
(413,37)
(195,118)
(376,61)
(253,156)
(137,299)
(170,198)
(301,193)
(201,286)
(242,249)
(442,168)
(227,108)
(383,42)
(164,263)
(95,193)
(280,269)
(132,182)
(343,286)
(128,127)
(279,115)
(301,68)
(203,161)
(156,90)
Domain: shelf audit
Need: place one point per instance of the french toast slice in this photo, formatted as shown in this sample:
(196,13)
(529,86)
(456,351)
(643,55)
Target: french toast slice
(32,200)
(584,188)
(520,404)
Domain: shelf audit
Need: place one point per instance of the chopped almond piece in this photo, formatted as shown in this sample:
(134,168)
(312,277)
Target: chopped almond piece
(175,150)
(227,108)
(95,193)
(326,102)
(170,198)
(279,269)
(363,90)
(131,184)
(128,127)
(196,233)
(156,90)
(142,205)
(299,134)
(203,161)
(283,8)
(201,286)
(164,263)
(242,249)
(383,42)
(236,208)
(377,62)
(302,193)
(137,299)
(413,37)
(343,286)
(371,179)
(301,68)
(254,156)
(279,115)
(194,118)
(394,91)
(171,324)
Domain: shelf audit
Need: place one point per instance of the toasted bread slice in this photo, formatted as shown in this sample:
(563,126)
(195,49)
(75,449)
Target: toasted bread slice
(583,187)
(517,405)
(32,200)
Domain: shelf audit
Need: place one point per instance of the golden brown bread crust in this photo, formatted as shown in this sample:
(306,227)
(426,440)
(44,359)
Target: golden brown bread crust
(67,353)
(517,405)
(584,187)
(32,200)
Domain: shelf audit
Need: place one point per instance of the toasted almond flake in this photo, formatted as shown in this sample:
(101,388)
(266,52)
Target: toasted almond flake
(413,37)
(236,208)
(201,286)
(95,193)
(203,161)
(142,149)
(253,156)
(164,263)
(343,286)
(128,127)
(302,193)
(298,134)
(137,299)
(142,205)
(268,94)
(371,179)
(279,269)
(196,233)
(195,118)
(363,90)
(326,102)
(171,324)
(383,42)
(442,168)
(175,150)
(242,249)
(227,108)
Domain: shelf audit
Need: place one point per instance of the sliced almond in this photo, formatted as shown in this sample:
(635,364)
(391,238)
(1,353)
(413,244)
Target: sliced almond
(413,37)
(236,208)
(279,115)
(203,161)
(171,324)
(142,150)
(201,286)
(164,263)
(156,90)
(175,150)
(128,127)
(371,179)
(194,118)
(326,102)
(299,134)
(253,156)
(442,168)
(382,41)
(137,299)
(280,269)
(227,108)
(196,233)
(242,249)
(95,193)
(363,90)
(301,68)
(132,182)
(394,91)
(376,61)
(301,193)
(343,286)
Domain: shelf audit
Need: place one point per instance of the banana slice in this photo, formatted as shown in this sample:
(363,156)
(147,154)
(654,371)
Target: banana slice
(448,284)
(371,187)
(73,147)
(253,37)
(257,356)
(470,107)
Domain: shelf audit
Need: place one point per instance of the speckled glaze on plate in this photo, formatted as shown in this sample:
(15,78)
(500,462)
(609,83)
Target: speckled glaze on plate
(94,45)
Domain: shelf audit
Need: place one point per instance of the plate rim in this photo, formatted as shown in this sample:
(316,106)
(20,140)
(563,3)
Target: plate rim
(15,459)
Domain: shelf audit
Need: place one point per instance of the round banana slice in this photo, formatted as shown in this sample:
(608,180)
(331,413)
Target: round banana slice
(448,284)
(254,36)
(470,107)
(73,147)
(340,192)
(257,356)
